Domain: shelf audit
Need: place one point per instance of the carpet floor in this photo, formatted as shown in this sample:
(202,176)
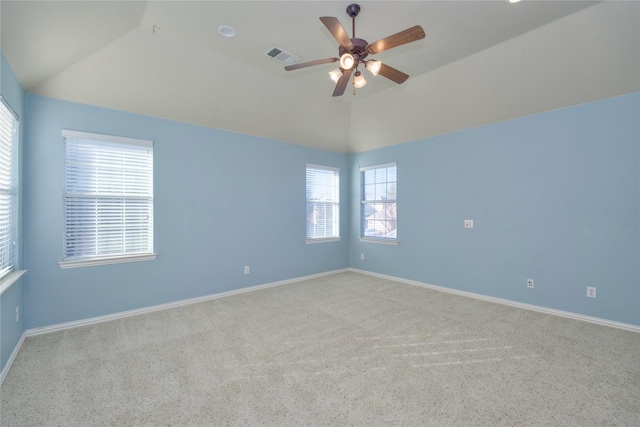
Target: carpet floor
(340,350)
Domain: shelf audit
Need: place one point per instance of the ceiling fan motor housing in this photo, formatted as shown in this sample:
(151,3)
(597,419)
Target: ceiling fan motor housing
(359,50)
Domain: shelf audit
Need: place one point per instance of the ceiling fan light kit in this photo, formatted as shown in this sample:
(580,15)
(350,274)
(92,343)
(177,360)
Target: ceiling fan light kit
(353,51)
(373,66)
(335,74)
(347,61)
(358,80)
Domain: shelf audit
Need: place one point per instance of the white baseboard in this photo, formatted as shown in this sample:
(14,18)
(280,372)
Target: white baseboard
(568,314)
(6,368)
(123,314)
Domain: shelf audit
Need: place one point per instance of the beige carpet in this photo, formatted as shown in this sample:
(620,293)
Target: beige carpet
(346,349)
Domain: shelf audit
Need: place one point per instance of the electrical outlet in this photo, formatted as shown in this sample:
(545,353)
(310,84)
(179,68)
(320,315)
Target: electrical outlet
(17,313)
(361,256)
(529,283)
(468,223)
(247,270)
(591,291)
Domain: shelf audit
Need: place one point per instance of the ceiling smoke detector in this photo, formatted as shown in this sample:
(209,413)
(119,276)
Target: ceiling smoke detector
(227,31)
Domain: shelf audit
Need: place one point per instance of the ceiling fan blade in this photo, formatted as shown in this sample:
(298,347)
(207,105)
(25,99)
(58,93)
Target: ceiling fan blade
(342,83)
(403,37)
(310,63)
(337,31)
(392,74)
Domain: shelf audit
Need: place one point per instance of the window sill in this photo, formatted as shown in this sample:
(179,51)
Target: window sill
(379,241)
(7,281)
(92,262)
(323,240)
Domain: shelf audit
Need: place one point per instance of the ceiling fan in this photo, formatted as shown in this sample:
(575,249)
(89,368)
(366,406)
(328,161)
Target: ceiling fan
(354,51)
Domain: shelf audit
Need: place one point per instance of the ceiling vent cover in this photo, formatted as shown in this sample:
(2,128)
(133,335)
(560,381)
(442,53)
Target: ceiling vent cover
(282,56)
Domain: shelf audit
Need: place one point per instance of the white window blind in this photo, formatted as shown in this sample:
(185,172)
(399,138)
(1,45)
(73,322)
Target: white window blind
(8,137)
(379,207)
(108,196)
(323,202)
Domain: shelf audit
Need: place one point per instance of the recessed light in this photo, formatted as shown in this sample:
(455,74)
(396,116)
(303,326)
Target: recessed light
(513,1)
(226,31)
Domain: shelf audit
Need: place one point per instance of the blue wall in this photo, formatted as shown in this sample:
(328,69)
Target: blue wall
(10,330)
(554,197)
(222,200)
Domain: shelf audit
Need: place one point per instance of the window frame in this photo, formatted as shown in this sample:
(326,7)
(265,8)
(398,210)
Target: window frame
(364,202)
(111,258)
(335,204)
(8,189)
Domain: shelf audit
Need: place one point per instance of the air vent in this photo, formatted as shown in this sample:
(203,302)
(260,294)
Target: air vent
(282,56)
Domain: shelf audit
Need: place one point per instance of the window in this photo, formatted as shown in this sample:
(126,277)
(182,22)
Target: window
(323,203)
(108,199)
(8,140)
(378,208)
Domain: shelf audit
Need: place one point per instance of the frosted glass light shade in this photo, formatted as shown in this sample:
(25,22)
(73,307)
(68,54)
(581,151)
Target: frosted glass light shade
(335,75)
(358,80)
(374,66)
(346,61)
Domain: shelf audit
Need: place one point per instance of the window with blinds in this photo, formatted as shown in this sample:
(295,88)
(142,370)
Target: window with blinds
(323,203)
(8,140)
(379,207)
(108,199)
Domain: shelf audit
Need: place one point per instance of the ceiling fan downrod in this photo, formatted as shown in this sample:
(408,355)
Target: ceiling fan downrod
(359,47)
(352,11)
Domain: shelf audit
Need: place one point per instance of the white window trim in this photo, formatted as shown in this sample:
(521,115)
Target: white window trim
(92,262)
(10,279)
(311,241)
(322,240)
(66,133)
(9,276)
(106,260)
(381,166)
(379,240)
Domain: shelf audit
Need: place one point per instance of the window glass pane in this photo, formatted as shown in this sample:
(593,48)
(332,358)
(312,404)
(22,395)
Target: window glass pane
(378,213)
(8,139)
(108,198)
(323,202)
(369,177)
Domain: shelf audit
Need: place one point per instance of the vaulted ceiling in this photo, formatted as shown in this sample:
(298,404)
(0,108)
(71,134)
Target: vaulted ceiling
(481,62)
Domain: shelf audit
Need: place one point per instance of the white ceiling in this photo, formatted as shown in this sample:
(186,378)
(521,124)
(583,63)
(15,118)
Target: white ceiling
(481,62)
